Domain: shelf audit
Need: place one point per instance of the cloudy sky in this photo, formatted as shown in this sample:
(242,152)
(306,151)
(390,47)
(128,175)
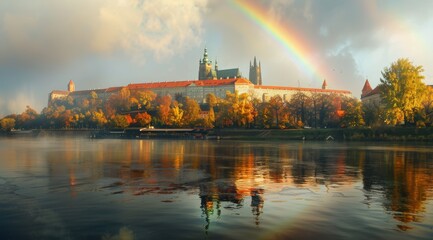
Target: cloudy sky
(104,43)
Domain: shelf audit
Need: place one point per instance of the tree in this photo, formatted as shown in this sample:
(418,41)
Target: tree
(120,121)
(211,100)
(428,107)
(98,118)
(176,115)
(191,111)
(163,109)
(298,109)
(7,124)
(143,119)
(402,91)
(277,105)
(142,100)
(352,113)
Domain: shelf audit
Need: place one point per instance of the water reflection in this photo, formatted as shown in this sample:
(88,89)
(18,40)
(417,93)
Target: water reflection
(230,176)
(404,179)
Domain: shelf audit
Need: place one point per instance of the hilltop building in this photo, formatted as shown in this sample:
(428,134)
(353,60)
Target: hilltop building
(199,89)
(210,80)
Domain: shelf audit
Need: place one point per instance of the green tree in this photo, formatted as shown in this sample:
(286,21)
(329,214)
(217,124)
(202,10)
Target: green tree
(402,91)
(352,116)
(372,114)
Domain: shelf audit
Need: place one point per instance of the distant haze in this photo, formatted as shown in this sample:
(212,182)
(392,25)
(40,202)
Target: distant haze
(99,44)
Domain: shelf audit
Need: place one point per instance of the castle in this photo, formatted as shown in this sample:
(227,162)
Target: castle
(206,72)
(210,80)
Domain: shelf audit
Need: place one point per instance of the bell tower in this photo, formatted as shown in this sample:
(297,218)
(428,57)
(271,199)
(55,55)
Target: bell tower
(205,70)
(255,73)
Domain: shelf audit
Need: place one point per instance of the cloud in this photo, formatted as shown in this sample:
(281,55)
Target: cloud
(18,103)
(49,32)
(337,34)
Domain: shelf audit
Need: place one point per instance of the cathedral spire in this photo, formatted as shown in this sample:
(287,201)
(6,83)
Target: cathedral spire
(205,59)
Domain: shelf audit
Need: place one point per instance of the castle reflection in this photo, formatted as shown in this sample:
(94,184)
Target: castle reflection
(239,172)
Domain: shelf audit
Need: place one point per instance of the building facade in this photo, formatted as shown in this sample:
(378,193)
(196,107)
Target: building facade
(199,89)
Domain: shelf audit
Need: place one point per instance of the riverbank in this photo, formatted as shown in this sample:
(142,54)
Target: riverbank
(340,134)
(348,134)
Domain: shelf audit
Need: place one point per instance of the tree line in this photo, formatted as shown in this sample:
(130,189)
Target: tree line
(405,99)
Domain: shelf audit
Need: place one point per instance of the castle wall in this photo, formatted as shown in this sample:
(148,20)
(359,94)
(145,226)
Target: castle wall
(198,90)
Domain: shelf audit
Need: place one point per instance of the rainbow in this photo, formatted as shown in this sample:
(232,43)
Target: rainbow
(292,41)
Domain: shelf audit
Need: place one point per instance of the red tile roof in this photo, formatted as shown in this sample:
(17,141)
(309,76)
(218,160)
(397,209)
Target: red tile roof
(375,91)
(203,83)
(303,89)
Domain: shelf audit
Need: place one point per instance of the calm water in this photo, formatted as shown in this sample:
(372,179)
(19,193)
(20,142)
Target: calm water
(76,188)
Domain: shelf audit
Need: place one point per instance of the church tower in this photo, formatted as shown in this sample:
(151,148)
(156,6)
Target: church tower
(255,73)
(324,85)
(71,86)
(205,70)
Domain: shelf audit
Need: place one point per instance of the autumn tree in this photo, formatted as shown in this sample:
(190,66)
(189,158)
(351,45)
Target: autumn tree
(236,110)
(211,100)
(163,109)
(27,119)
(143,119)
(277,106)
(98,118)
(175,116)
(402,91)
(142,99)
(191,111)
(427,110)
(120,121)
(7,124)
(298,108)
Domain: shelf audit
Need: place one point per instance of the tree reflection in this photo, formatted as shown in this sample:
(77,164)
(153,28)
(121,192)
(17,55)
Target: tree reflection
(231,172)
(404,178)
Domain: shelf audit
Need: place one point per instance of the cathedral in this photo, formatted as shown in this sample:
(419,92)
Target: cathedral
(208,72)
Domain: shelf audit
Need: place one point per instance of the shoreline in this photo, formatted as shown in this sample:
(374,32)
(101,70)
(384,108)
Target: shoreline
(389,134)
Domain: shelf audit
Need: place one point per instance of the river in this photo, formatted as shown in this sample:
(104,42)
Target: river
(77,188)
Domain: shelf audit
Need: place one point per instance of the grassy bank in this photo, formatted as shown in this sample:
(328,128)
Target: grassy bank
(352,134)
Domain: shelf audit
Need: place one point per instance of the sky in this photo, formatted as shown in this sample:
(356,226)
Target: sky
(107,43)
